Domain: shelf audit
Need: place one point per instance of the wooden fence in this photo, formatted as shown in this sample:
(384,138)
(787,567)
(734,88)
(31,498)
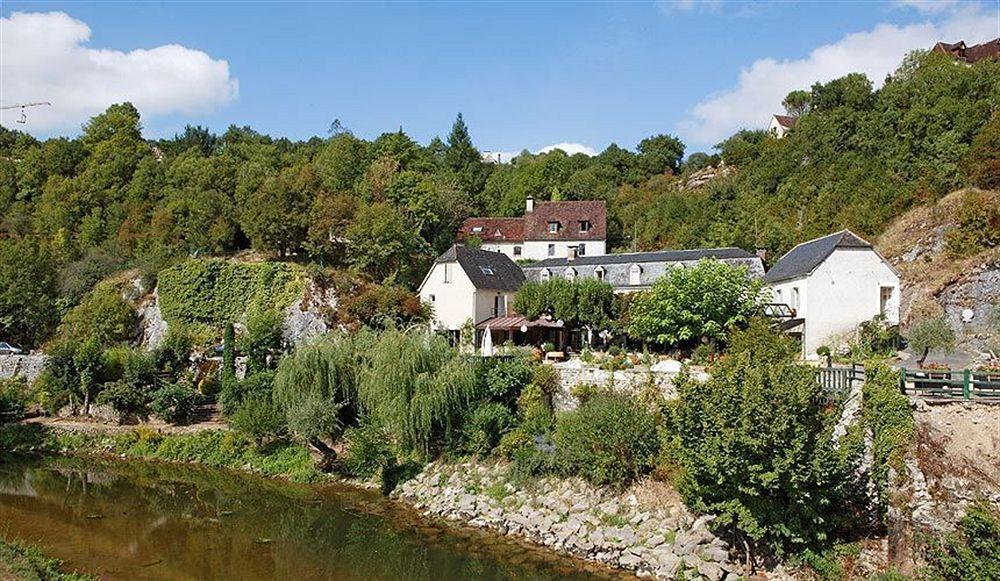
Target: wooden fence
(962,384)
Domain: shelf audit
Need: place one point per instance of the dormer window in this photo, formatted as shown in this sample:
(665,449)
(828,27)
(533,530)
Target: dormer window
(553,227)
(570,274)
(599,273)
(635,275)
(584,226)
(544,275)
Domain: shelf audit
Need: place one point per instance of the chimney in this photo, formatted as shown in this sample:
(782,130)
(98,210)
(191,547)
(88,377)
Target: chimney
(571,256)
(762,254)
(529,205)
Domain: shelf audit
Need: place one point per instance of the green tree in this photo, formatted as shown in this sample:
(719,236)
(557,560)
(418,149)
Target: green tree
(276,215)
(28,292)
(753,446)
(660,154)
(382,244)
(931,334)
(702,302)
(797,102)
(982,164)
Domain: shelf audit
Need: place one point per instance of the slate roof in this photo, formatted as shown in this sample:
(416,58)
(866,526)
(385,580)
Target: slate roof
(492,229)
(805,257)
(476,263)
(641,257)
(569,215)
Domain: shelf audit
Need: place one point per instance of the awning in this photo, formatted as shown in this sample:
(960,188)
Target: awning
(515,322)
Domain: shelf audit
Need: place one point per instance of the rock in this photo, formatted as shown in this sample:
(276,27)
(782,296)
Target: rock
(630,560)
(655,541)
(710,570)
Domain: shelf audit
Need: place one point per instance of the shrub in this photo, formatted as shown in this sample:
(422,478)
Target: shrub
(973,551)
(534,460)
(368,450)
(126,398)
(260,419)
(172,355)
(753,444)
(702,302)
(257,385)
(504,379)
(262,339)
(13,398)
(886,414)
(585,391)
(512,442)
(931,334)
(102,315)
(876,338)
(315,418)
(174,403)
(609,440)
(977,225)
(485,426)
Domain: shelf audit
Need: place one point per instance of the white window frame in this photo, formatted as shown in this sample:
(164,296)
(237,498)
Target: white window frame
(634,275)
(447,273)
(554,227)
(552,250)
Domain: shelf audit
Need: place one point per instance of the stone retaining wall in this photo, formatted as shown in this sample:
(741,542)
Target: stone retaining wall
(26,366)
(652,536)
(632,381)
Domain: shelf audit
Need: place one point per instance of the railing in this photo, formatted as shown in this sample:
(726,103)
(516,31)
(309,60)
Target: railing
(838,380)
(962,384)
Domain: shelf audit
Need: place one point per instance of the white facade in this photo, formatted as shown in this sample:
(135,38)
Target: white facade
(851,286)
(514,251)
(455,300)
(542,249)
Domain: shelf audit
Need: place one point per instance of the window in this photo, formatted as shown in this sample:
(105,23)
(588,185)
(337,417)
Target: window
(517,251)
(497,305)
(552,249)
(635,275)
(432,298)
(795,299)
(778,297)
(599,273)
(584,225)
(477,229)
(487,270)
(581,249)
(553,227)
(570,274)
(544,275)
(447,273)
(885,295)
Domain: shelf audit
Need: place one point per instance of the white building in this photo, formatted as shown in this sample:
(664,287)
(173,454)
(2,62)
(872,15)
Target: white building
(469,285)
(833,284)
(547,230)
(781,124)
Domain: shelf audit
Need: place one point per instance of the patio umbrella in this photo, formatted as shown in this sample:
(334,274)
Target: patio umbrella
(487,349)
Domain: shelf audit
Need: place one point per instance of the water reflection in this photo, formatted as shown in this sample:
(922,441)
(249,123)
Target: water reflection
(126,520)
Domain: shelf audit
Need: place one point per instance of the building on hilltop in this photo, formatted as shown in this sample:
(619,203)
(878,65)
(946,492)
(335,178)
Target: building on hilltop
(781,125)
(970,54)
(547,230)
(830,286)
(637,271)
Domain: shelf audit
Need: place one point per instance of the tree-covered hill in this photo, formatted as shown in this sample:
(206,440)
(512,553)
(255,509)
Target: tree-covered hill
(74,210)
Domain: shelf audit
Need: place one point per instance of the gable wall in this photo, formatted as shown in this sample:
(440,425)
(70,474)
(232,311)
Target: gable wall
(454,302)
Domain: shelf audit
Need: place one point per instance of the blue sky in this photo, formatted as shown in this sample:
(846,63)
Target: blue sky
(524,75)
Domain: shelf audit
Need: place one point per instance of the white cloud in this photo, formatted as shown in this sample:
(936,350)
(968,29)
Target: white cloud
(44,57)
(928,6)
(668,6)
(570,148)
(876,53)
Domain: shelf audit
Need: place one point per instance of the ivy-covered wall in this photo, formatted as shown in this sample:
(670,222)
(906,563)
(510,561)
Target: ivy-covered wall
(215,292)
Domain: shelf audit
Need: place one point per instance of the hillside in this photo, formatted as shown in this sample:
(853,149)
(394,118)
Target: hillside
(940,276)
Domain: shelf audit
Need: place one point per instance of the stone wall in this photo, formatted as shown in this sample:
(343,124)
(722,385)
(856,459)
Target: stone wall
(26,366)
(632,381)
(645,529)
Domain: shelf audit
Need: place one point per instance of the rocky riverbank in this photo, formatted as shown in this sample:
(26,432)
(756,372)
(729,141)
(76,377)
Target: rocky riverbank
(645,529)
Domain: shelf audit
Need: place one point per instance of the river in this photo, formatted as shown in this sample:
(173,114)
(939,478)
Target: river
(136,520)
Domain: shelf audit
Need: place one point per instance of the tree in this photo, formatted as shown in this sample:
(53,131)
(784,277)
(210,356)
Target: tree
(703,302)
(276,214)
(982,164)
(753,444)
(461,153)
(329,218)
(931,334)
(797,102)
(743,147)
(660,154)
(27,292)
(381,243)
(587,303)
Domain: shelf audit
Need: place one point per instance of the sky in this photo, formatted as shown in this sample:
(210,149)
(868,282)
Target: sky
(525,75)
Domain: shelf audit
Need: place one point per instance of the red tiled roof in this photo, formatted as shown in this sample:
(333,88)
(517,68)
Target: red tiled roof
(492,229)
(970,54)
(569,215)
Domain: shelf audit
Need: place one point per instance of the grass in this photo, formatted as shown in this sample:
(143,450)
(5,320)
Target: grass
(221,449)
(30,564)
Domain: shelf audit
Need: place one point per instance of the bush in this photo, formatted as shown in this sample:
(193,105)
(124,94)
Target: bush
(262,339)
(931,334)
(536,459)
(972,552)
(886,414)
(172,355)
(485,426)
(233,395)
(102,315)
(610,440)
(174,403)
(977,225)
(314,418)
(753,444)
(126,398)
(13,398)
(504,379)
(368,450)
(260,419)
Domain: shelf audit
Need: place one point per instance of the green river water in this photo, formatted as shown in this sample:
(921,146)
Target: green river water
(134,520)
